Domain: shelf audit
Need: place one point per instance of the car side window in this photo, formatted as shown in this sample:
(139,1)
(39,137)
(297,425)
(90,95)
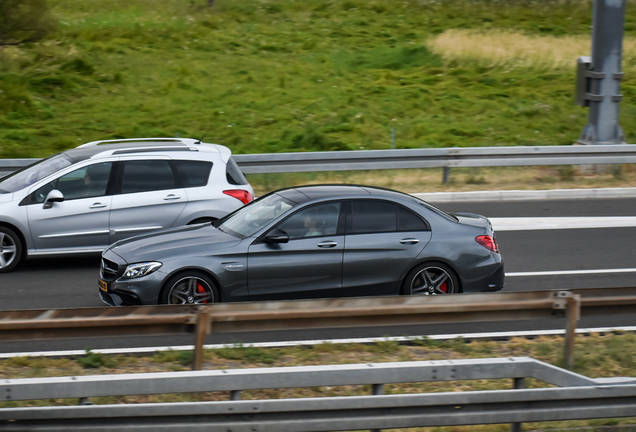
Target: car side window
(372,217)
(87,182)
(318,220)
(147,175)
(409,221)
(193,173)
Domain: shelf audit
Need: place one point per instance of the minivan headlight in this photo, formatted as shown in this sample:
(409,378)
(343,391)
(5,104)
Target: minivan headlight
(140,269)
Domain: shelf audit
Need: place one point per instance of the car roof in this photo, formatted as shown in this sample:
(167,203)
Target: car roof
(146,145)
(313,192)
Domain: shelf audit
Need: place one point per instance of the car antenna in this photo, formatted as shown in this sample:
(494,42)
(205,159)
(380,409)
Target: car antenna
(201,139)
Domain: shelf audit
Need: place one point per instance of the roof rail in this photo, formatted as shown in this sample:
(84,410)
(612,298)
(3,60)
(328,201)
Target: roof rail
(171,141)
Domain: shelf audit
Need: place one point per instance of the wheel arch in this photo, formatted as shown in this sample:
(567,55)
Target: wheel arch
(430,260)
(19,232)
(205,271)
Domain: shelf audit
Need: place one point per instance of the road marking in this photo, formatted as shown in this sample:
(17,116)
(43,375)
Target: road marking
(406,339)
(550,223)
(571,272)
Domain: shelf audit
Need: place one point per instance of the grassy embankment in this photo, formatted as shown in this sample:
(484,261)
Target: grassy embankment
(285,75)
(596,356)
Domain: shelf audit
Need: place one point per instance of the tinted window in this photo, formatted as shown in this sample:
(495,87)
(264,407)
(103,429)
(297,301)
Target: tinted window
(148,175)
(86,182)
(234,174)
(409,221)
(193,173)
(372,216)
(318,220)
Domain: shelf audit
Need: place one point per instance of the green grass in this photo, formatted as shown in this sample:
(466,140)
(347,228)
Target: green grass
(289,75)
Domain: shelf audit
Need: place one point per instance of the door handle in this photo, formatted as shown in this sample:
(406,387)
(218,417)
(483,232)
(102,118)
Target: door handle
(171,197)
(409,241)
(327,244)
(97,205)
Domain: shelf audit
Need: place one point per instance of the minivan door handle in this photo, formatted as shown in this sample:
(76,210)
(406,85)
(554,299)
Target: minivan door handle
(409,241)
(172,197)
(327,244)
(97,205)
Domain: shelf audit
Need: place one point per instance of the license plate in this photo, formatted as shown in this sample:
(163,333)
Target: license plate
(103,285)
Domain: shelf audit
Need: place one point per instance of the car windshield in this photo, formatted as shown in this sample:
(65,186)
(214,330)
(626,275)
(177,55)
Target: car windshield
(33,173)
(249,219)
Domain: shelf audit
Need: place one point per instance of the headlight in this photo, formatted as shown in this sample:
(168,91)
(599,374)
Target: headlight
(141,269)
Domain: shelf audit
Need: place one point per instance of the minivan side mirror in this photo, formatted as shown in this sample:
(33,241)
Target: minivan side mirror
(52,197)
(276,236)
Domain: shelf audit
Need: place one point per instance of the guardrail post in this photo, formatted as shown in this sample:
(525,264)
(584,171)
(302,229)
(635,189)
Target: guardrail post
(519,383)
(572,315)
(378,389)
(203,328)
(571,303)
(235,395)
(445,175)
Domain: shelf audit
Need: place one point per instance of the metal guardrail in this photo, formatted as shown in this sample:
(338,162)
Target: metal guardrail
(578,397)
(324,313)
(418,158)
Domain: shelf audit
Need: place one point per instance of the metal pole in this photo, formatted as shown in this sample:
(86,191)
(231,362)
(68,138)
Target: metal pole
(378,390)
(604,74)
(445,175)
(201,331)
(519,383)
(572,314)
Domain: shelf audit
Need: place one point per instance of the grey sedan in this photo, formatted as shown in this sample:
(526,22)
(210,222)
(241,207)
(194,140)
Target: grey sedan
(308,242)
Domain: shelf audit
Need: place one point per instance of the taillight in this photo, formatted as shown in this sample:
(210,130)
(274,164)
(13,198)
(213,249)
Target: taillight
(240,194)
(488,242)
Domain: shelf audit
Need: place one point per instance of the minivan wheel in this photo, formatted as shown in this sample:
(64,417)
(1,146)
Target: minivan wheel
(189,288)
(10,249)
(431,279)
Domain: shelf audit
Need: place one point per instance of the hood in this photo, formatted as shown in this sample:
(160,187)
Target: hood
(6,197)
(173,242)
(472,219)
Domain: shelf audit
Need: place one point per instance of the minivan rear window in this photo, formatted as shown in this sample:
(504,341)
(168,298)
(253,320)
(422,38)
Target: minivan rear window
(193,173)
(234,174)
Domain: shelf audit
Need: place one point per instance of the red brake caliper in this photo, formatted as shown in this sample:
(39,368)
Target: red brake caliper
(201,290)
(443,287)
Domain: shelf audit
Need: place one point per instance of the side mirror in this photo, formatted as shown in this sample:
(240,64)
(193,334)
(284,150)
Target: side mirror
(276,236)
(52,197)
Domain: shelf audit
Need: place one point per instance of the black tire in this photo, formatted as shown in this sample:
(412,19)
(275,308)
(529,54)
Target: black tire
(11,249)
(189,287)
(431,278)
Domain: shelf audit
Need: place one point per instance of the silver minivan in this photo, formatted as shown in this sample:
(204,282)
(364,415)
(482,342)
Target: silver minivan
(86,198)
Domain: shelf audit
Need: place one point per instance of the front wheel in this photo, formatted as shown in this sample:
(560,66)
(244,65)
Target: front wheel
(431,279)
(10,249)
(191,287)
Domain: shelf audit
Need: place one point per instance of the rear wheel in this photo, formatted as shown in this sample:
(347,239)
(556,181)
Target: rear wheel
(10,249)
(190,287)
(431,279)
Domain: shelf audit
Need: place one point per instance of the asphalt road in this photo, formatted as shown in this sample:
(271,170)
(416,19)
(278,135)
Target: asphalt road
(66,282)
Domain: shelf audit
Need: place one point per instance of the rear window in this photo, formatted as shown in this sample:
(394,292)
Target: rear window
(234,174)
(193,173)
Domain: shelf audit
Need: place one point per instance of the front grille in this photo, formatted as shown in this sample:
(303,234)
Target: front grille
(109,270)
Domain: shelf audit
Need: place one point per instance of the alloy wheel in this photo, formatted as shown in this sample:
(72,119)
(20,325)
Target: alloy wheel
(191,290)
(8,250)
(432,281)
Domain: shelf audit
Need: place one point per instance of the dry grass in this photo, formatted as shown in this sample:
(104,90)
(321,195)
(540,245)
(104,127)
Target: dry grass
(514,49)
(596,356)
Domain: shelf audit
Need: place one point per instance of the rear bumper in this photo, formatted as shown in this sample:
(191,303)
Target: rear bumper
(492,280)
